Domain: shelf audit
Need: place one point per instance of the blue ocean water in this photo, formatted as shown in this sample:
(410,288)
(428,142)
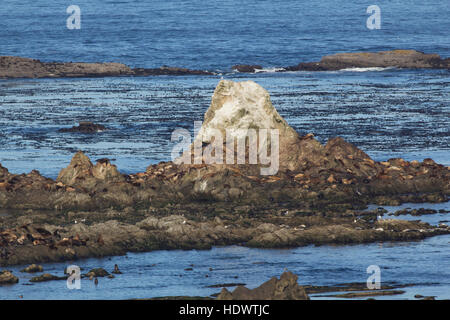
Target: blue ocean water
(387,113)
(217,34)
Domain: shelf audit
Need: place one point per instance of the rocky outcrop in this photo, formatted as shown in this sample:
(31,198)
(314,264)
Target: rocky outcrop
(240,109)
(313,198)
(85,127)
(81,172)
(6,277)
(17,67)
(76,235)
(410,59)
(285,288)
(309,174)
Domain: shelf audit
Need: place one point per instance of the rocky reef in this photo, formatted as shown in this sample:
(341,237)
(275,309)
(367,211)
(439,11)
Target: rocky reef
(316,196)
(408,59)
(19,67)
(85,127)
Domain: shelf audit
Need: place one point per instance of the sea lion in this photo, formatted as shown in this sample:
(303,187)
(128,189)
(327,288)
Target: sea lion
(116,269)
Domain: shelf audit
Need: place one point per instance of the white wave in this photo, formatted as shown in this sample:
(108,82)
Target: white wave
(366,69)
(274,69)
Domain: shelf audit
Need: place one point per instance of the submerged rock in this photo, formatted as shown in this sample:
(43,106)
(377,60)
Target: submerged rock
(285,288)
(46,277)
(81,171)
(172,71)
(246,68)
(85,127)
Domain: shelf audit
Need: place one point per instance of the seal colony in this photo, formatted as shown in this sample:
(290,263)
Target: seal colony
(316,197)
(19,67)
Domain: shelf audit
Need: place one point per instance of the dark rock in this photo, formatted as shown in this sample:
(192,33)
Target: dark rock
(18,67)
(245,68)
(85,127)
(285,288)
(172,71)
(97,272)
(46,277)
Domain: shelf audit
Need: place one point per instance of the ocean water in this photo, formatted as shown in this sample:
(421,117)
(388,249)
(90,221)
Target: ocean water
(217,34)
(386,112)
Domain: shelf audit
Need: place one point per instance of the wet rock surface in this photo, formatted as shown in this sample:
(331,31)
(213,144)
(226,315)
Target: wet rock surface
(285,288)
(85,127)
(246,68)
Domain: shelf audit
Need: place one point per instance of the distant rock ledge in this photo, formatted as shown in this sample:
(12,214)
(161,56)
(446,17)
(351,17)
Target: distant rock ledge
(408,59)
(18,67)
(403,59)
